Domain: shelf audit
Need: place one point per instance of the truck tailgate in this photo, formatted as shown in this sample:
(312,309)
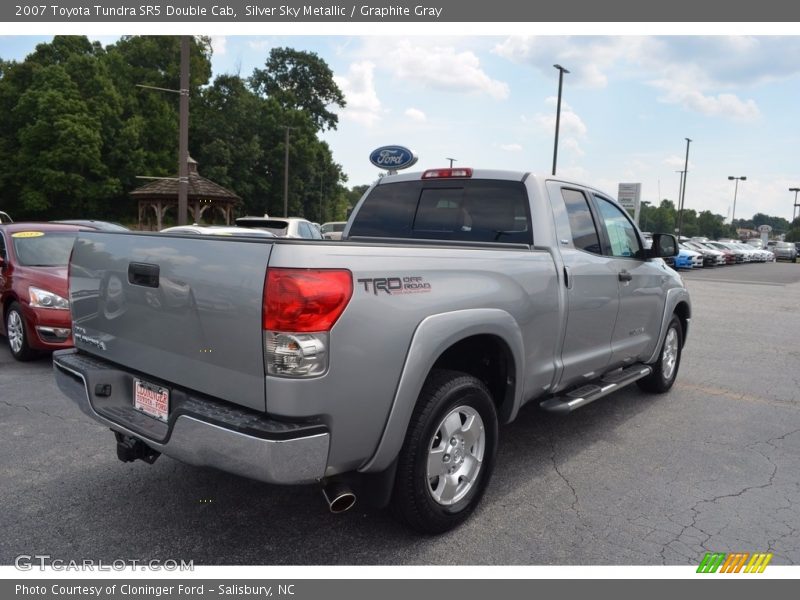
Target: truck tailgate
(186,311)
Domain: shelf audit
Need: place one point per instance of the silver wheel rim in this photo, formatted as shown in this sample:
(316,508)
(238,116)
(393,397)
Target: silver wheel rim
(669,359)
(455,455)
(15,331)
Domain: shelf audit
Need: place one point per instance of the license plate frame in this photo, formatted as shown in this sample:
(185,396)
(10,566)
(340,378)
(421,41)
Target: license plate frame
(151,399)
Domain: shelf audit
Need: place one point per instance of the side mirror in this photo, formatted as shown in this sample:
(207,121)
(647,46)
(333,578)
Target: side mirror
(664,246)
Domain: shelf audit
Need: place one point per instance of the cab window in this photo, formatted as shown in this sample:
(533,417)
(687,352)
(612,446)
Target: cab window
(581,222)
(622,238)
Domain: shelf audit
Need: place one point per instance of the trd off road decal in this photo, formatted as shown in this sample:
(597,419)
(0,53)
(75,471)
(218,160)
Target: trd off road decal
(395,285)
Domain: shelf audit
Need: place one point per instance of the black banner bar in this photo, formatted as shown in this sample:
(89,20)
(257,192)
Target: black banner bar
(260,11)
(397,589)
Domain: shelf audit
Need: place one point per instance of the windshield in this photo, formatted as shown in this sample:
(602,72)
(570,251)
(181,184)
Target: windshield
(43,249)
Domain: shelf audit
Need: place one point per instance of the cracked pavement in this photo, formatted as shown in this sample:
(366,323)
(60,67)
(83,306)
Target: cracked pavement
(630,479)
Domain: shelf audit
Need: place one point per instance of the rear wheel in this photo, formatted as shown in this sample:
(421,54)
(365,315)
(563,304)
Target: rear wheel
(17,334)
(665,370)
(448,454)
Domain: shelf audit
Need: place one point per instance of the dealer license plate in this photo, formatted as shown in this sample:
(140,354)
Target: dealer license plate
(152,400)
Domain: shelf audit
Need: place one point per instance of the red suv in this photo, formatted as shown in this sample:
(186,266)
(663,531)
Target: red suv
(34,287)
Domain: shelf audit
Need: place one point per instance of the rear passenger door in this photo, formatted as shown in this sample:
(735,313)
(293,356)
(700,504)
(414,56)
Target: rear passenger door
(590,279)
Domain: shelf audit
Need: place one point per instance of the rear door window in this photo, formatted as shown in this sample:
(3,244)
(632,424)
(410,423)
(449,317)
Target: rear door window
(581,222)
(461,210)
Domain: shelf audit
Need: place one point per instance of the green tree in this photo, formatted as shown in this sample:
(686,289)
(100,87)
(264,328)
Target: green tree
(300,80)
(59,159)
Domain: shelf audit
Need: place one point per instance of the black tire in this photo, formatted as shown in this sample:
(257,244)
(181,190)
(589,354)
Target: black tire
(445,393)
(661,379)
(17,334)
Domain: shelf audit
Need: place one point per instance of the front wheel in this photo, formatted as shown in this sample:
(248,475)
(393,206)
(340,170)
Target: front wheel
(17,334)
(665,370)
(448,454)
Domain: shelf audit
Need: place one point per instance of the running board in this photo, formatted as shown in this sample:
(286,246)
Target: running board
(611,382)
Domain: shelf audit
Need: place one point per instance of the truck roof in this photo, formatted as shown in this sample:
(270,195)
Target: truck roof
(493,174)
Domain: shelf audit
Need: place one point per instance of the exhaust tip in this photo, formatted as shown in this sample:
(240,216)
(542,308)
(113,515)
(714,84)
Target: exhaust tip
(339,496)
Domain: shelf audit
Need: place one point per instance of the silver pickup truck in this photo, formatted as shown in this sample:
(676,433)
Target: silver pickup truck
(380,365)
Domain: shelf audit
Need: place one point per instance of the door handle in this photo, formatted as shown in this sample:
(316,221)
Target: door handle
(625,276)
(143,274)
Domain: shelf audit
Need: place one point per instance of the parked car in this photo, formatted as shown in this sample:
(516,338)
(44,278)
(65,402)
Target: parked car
(33,287)
(384,369)
(687,259)
(92,224)
(710,258)
(4,218)
(739,256)
(333,230)
(783,250)
(290,227)
(219,230)
(727,253)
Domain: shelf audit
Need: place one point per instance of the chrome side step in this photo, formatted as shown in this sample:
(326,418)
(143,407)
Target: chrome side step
(609,383)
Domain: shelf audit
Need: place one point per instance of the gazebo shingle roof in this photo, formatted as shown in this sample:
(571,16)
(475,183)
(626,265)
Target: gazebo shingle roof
(199,188)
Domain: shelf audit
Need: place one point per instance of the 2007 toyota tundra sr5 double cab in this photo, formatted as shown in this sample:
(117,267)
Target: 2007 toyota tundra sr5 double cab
(381,364)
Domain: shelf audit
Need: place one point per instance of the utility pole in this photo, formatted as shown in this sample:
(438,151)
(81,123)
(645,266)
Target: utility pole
(683,190)
(286,175)
(183,135)
(183,132)
(561,71)
(452,160)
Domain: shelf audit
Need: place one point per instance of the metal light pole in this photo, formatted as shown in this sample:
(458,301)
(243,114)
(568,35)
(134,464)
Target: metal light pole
(735,193)
(561,71)
(795,205)
(286,175)
(683,188)
(452,160)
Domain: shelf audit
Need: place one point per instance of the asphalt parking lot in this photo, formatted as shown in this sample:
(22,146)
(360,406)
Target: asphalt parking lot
(630,479)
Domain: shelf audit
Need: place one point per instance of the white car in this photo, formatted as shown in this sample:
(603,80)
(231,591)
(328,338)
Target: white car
(289,227)
(218,230)
(333,230)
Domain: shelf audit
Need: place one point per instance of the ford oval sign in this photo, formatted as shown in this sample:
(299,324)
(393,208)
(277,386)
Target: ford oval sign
(392,158)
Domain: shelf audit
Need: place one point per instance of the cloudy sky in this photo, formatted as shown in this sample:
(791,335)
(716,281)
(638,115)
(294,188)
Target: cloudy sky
(629,102)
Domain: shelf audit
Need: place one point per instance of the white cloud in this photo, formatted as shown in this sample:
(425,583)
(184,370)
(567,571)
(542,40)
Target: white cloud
(511,147)
(219,44)
(677,162)
(358,86)
(443,68)
(259,45)
(416,115)
(571,128)
(721,105)
(700,74)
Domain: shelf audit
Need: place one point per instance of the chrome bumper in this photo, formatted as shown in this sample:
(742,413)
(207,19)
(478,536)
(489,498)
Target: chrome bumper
(289,457)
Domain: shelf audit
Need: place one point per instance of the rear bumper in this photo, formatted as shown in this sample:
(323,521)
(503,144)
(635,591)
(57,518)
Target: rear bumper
(200,431)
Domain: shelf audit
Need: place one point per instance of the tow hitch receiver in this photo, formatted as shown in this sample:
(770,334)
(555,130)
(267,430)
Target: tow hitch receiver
(130,449)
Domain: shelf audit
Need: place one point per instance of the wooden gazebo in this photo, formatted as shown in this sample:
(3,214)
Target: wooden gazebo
(162,194)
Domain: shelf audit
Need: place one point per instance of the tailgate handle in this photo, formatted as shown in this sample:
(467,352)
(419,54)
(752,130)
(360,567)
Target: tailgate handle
(143,274)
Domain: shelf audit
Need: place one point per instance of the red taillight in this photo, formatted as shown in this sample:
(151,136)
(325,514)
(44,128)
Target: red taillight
(446,173)
(304,300)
